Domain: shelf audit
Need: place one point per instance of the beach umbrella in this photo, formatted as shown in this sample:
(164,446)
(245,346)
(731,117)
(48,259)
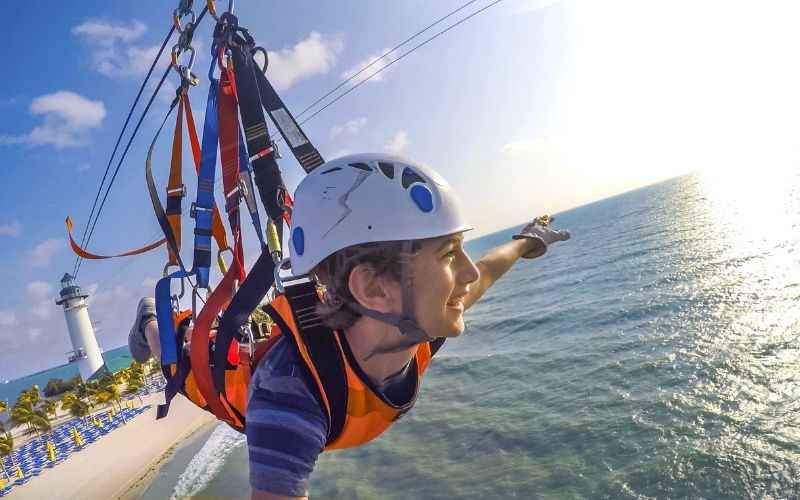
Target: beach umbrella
(78,440)
(51,451)
(110,415)
(20,475)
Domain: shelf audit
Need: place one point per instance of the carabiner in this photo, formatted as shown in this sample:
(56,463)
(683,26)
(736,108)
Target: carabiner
(195,294)
(221,262)
(166,273)
(278,282)
(266,58)
(184,71)
(212,10)
(176,19)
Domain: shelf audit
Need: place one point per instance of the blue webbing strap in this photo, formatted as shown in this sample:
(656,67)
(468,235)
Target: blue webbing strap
(204,206)
(169,340)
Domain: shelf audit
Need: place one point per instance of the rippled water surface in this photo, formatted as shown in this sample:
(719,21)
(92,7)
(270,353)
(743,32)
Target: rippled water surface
(655,354)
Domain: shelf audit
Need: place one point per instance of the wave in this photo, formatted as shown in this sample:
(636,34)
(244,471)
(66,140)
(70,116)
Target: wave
(208,462)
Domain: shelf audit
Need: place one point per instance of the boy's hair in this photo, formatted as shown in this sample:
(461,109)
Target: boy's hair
(333,274)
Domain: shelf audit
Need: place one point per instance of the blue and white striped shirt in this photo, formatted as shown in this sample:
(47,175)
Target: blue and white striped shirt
(286,428)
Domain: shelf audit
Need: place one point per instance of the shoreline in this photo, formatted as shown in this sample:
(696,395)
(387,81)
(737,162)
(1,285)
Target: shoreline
(136,487)
(123,463)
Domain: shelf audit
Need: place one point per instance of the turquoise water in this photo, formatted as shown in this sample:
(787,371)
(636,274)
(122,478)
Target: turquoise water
(655,355)
(115,359)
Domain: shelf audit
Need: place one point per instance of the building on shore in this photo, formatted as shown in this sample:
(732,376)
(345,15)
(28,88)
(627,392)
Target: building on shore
(86,353)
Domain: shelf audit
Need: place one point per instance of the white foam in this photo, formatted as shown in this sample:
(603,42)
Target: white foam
(208,462)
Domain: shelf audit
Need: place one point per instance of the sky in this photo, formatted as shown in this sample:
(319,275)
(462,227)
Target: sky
(529,107)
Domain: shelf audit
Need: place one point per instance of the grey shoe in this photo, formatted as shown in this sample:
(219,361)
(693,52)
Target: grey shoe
(137,343)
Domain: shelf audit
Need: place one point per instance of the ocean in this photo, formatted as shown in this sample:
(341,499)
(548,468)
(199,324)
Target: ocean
(654,355)
(115,359)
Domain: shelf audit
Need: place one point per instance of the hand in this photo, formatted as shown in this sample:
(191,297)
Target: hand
(539,230)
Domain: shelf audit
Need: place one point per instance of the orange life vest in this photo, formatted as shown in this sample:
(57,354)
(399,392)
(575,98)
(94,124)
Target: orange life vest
(367,413)
(356,413)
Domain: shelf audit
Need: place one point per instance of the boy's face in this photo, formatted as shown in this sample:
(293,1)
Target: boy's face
(442,273)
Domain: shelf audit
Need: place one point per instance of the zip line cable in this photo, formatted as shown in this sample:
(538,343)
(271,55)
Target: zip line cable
(398,58)
(130,141)
(423,30)
(116,146)
(401,56)
(124,153)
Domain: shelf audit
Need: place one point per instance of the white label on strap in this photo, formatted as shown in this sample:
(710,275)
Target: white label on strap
(293,134)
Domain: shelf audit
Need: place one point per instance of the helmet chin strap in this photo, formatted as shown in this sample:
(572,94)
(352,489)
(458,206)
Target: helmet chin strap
(405,322)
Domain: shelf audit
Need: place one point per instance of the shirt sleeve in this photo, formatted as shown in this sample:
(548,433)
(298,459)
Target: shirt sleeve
(286,428)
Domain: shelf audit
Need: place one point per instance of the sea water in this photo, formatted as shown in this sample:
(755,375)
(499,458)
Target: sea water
(655,354)
(115,359)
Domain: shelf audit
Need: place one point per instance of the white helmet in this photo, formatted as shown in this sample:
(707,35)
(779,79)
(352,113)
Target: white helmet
(369,197)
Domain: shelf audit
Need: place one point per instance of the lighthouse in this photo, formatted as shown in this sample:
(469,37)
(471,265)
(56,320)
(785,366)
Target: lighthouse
(85,352)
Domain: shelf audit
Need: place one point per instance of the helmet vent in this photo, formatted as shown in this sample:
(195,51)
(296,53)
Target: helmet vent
(361,166)
(334,169)
(387,169)
(410,177)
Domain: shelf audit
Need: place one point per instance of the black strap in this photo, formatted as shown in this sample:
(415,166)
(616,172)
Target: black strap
(306,154)
(436,344)
(176,383)
(238,312)
(320,343)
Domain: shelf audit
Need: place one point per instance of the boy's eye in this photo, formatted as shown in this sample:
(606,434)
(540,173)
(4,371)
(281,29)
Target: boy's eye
(450,254)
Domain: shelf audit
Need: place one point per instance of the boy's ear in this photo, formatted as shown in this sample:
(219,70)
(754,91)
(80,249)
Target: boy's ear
(370,290)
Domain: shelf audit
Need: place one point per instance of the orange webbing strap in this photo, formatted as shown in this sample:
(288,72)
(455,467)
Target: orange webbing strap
(198,351)
(175,189)
(86,255)
(217,229)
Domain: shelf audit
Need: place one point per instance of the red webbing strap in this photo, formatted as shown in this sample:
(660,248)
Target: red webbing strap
(175,189)
(199,348)
(217,229)
(229,158)
(86,255)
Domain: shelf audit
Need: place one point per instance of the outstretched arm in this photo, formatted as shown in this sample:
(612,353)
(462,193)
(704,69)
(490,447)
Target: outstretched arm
(529,243)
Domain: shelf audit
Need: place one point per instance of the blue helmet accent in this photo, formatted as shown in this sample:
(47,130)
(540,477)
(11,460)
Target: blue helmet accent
(298,240)
(423,197)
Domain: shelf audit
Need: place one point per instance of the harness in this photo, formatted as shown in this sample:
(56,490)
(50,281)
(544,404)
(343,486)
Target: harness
(356,413)
(214,371)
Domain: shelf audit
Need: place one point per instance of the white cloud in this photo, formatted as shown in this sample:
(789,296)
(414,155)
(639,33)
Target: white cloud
(351,128)
(13,228)
(41,255)
(374,63)
(315,54)
(68,118)
(399,142)
(339,154)
(40,289)
(8,318)
(119,294)
(105,33)
(43,309)
(521,148)
(149,284)
(109,55)
(34,333)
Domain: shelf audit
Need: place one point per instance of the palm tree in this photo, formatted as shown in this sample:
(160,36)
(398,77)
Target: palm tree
(6,447)
(67,400)
(132,388)
(21,414)
(79,409)
(49,406)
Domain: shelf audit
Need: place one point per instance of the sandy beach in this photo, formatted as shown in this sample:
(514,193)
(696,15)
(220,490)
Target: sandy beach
(122,463)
